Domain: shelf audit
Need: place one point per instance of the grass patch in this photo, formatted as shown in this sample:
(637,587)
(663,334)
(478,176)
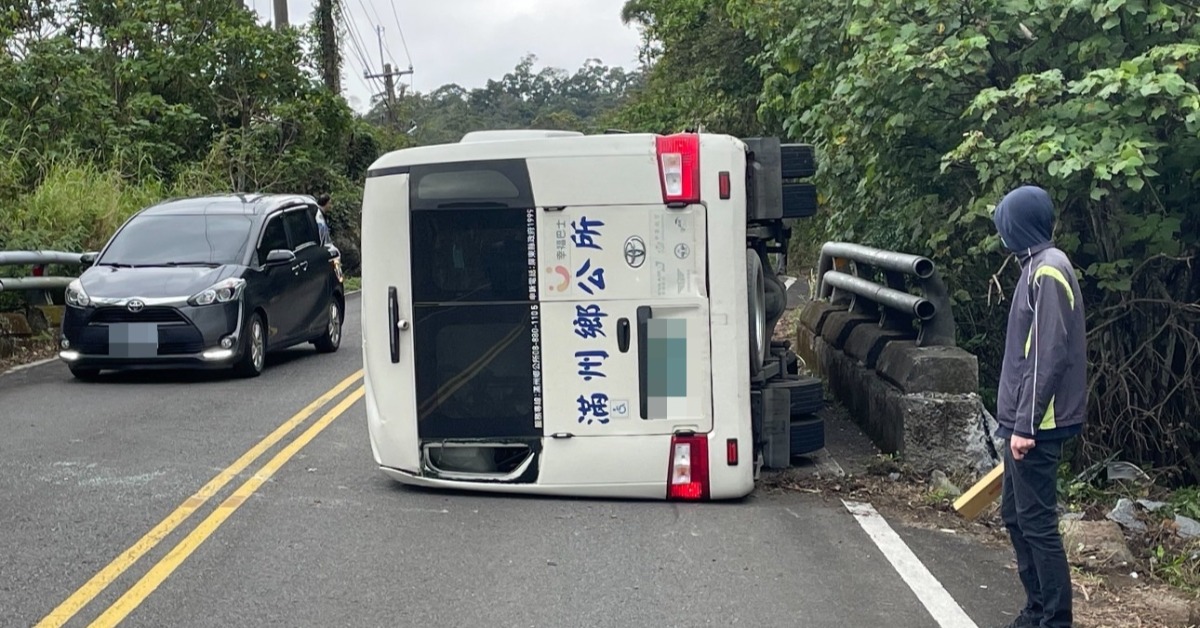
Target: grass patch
(353,283)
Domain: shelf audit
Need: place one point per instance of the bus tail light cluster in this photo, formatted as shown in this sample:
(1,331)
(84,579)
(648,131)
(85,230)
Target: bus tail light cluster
(689,468)
(679,168)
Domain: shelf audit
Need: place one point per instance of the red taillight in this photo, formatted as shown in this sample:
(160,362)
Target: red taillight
(39,271)
(679,167)
(723,185)
(731,452)
(688,474)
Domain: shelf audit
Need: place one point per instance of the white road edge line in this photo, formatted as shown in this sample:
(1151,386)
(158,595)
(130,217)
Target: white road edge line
(22,367)
(945,611)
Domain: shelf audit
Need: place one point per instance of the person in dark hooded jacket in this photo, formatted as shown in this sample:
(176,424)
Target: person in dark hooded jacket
(1041,403)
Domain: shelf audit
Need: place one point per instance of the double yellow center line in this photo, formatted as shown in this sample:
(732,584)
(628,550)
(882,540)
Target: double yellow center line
(161,570)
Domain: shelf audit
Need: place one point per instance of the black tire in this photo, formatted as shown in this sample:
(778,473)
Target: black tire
(808,397)
(254,353)
(756,307)
(332,338)
(84,374)
(808,436)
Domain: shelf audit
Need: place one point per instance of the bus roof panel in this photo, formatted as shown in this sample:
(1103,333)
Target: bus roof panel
(519,148)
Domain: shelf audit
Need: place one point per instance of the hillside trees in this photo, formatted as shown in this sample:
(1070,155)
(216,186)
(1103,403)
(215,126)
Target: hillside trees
(177,97)
(926,111)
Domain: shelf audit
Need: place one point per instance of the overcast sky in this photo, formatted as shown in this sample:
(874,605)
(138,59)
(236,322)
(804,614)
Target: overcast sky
(470,41)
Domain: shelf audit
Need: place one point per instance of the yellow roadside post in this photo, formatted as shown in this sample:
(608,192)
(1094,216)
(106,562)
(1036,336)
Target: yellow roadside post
(983,493)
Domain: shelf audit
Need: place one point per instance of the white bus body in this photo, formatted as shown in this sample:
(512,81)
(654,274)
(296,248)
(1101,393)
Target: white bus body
(553,313)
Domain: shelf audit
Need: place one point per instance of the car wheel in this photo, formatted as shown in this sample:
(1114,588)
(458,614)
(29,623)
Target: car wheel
(254,358)
(332,339)
(84,374)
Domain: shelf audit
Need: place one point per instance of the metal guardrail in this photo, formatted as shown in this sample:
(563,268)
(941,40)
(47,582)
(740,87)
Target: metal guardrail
(38,286)
(892,303)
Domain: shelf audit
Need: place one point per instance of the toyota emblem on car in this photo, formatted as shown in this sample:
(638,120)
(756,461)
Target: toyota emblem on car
(135,305)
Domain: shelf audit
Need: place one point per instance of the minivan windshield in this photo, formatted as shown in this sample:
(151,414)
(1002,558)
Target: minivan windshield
(182,239)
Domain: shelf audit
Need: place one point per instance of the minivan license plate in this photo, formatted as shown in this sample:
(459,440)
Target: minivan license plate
(133,340)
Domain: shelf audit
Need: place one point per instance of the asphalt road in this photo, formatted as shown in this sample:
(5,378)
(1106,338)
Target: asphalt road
(89,473)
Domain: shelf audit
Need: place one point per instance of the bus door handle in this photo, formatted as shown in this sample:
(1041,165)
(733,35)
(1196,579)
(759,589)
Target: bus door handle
(623,335)
(395,323)
(644,314)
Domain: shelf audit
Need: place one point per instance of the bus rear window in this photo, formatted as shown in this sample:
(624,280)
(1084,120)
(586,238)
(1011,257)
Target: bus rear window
(471,184)
(482,184)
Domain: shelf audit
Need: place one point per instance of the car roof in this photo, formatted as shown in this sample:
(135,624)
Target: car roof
(237,204)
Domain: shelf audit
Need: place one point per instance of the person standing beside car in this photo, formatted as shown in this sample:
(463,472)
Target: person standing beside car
(1042,401)
(324,203)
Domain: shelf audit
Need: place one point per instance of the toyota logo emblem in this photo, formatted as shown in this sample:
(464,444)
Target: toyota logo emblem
(635,252)
(135,305)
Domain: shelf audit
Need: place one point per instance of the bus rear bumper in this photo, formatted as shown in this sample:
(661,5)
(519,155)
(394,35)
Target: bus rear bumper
(641,491)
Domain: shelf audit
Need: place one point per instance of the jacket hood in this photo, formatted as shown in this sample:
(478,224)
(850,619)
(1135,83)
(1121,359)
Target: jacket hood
(1025,218)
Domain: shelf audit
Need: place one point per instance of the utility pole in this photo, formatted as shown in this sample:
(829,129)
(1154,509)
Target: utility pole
(281,14)
(389,79)
(328,50)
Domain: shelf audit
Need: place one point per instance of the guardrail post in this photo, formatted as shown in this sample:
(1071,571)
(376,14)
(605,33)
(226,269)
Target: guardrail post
(903,381)
(38,289)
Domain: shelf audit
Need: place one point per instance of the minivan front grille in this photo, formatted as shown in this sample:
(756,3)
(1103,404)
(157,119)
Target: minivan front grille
(106,315)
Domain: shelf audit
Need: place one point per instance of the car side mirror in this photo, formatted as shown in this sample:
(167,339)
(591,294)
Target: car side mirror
(280,256)
(87,259)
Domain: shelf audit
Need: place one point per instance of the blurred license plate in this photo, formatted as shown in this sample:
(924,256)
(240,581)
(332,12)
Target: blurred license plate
(132,340)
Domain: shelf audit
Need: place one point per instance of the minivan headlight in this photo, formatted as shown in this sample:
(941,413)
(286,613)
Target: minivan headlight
(223,291)
(75,295)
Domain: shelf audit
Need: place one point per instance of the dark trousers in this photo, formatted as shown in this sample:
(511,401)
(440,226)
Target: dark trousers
(1029,506)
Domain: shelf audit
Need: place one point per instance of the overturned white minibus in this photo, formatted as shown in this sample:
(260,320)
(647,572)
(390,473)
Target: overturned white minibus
(581,315)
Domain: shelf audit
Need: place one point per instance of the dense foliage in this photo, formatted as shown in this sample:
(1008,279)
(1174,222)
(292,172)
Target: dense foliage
(926,111)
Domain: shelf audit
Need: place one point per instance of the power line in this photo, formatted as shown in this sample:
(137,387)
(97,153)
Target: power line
(403,42)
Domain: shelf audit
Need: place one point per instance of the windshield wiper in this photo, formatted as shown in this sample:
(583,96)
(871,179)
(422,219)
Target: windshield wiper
(113,264)
(173,264)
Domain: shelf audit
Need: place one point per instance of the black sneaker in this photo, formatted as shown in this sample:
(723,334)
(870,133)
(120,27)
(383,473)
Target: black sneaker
(1026,619)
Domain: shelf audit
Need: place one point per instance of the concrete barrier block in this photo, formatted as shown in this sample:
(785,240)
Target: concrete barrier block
(928,369)
(14,324)
(866,342)
(943,432)
(838,325)
(931,430)
(806,348)
(53,314)
(815,312)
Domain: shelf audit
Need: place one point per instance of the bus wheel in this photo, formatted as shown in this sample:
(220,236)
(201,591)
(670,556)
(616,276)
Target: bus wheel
(808,397)
(757,308)
(808,436)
